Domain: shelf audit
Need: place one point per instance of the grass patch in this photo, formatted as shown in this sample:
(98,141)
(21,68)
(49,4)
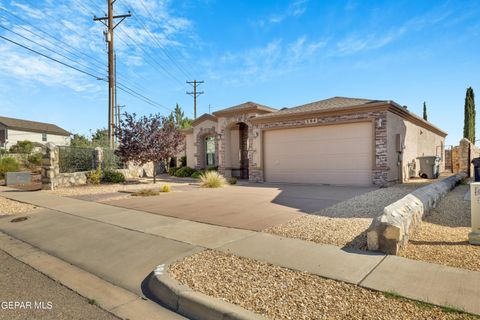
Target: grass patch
(212,179)
(92,302)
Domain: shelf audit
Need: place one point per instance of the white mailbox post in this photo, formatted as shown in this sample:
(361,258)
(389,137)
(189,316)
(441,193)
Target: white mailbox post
(474,236)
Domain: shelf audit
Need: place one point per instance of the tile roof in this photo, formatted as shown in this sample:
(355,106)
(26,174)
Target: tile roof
(247,105)
(323,105)
(33,126)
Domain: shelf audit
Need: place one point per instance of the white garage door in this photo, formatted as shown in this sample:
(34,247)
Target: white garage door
(333,154)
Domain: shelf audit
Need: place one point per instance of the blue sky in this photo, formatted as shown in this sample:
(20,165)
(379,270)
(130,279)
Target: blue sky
(278,53)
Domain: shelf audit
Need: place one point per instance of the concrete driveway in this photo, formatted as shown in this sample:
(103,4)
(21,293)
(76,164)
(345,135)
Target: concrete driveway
(251,206)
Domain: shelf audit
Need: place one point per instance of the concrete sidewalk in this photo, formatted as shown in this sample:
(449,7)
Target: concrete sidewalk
(123,246)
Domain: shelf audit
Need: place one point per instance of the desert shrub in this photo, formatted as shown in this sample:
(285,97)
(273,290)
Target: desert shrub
(35,159)
(232,180)
(172,171)
(166,188)
(8,164)
(184,172)
(146,193)
(110,176)
(196,174)
(25,147)
(212,179)
(94,176)
(183,161)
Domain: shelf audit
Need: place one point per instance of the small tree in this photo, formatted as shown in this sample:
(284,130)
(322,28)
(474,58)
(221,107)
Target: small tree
(148,139)
(425,117)
(100,138)
(469,121)
(25,147)
(79,140)
(178,117)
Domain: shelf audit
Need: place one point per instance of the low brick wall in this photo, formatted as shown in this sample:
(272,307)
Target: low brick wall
(390,231)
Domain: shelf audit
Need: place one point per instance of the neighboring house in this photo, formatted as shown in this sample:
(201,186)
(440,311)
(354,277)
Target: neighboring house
(334,141)
(13,130)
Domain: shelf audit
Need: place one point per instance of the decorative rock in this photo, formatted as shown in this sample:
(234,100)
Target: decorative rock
(390,231)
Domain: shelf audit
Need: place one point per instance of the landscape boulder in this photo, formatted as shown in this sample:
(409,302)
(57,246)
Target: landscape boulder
(390,231)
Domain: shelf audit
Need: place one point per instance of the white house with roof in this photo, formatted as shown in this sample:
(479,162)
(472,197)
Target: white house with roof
(13,130)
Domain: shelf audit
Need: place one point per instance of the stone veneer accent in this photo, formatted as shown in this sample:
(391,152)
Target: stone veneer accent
(199,144)
(379,173)
(229,121)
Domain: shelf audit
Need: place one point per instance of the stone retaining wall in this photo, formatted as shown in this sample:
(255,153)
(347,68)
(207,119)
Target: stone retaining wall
(70,179)
(390,231)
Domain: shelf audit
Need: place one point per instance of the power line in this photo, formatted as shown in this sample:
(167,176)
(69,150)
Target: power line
(51,36)
(166,35)
(195,94)
(124,88)
(53,59)
(136,44)
(157,41)
(109,22)
(42,46)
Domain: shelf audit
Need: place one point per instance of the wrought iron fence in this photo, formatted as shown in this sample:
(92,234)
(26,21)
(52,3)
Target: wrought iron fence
(74,159)
(110,160)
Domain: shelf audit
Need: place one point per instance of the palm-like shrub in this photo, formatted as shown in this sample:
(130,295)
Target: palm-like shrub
(212,179)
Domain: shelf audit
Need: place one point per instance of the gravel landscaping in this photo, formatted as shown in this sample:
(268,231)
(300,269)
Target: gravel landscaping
(8,207)
(345,223)
(280,293)
(443,236)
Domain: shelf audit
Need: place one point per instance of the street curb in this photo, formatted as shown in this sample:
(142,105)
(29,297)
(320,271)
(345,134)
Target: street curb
(109,297)
(191,304)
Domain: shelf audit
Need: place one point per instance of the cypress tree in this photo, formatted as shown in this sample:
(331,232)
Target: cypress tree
(469,122)
(425,117)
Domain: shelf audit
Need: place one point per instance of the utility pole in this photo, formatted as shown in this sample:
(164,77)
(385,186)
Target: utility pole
(111,62)
(194,94)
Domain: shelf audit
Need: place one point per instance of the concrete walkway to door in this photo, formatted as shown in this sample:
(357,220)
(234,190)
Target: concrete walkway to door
(123,246)
(251,206)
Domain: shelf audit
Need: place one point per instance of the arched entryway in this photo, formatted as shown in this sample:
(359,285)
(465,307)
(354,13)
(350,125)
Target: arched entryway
(236,150)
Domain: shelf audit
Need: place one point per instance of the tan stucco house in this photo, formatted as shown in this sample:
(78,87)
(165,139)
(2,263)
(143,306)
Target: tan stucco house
(344,141)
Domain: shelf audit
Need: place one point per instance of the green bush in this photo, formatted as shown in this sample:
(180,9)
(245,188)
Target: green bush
(212,179)
(22,147)
(110,176)
(212,168)
(184,172)
(172,171)
(35,159)
(196,174)
(232,180)
(8,164)
(183,161)
(94,176)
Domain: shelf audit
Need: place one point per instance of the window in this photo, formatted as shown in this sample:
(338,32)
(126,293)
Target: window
(44,137)
(3,137)
(210,151)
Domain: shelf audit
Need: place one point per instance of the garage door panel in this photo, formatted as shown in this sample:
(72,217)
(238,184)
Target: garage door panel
(335,154)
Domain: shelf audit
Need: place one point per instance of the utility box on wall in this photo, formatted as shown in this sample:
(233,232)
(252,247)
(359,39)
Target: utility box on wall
(474,236)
